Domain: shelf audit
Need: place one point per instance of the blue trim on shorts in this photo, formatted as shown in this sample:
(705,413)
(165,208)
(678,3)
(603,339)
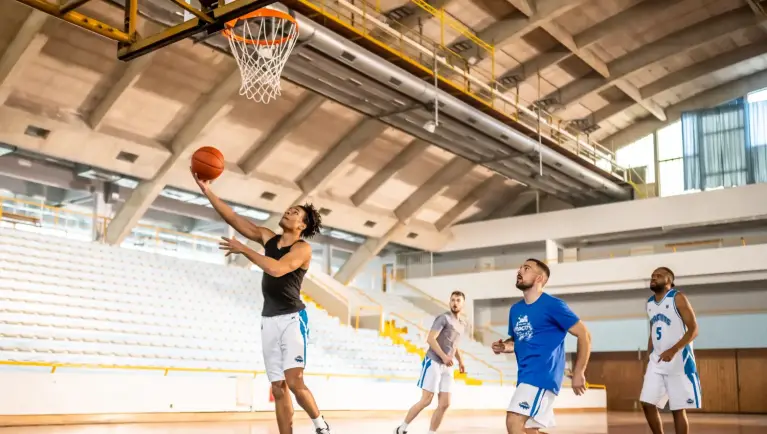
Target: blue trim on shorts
(303,320)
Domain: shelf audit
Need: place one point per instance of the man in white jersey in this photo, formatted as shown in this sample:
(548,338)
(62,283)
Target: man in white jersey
(671,372)
(437,368)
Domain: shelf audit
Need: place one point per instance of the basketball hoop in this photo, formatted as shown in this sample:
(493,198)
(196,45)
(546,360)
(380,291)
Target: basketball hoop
(261,42)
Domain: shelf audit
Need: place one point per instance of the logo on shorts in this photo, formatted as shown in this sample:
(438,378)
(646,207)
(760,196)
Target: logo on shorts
(690,401)
(524,405)
(299,359)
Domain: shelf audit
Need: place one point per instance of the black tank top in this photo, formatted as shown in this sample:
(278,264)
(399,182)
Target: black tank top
(282,295)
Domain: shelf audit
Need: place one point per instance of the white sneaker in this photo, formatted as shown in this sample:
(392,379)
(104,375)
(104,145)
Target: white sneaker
(399,430)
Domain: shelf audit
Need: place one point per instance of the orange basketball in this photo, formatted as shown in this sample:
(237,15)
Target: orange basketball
(207,163)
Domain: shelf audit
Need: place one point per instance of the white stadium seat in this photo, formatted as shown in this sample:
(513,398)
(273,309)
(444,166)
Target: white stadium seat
(70,302)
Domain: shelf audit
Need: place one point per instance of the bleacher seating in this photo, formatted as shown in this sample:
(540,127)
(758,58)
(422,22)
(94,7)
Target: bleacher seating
(66,301)
(484,367)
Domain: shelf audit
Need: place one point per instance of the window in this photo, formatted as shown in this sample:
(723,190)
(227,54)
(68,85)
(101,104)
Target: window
(757,96)
(671,164)
(640,154)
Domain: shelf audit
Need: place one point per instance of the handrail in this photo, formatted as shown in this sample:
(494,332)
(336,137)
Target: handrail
(332,291)
(168,369)
(423,330)
(497,91)
(57,213)
(429,296)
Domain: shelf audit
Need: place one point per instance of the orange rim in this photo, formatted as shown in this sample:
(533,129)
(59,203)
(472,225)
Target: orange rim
(260,13)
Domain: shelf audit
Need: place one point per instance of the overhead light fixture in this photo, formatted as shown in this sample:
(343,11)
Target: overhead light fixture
(430,126)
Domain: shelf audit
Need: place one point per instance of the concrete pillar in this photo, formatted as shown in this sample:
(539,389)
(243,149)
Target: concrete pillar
(364,253)
(552,252)
(570,255)
(147,191)
(100,209)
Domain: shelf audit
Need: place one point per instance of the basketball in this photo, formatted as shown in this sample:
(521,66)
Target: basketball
(207,163)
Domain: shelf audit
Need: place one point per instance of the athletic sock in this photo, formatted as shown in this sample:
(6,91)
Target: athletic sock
(319,422)
(403,427)
(432,432)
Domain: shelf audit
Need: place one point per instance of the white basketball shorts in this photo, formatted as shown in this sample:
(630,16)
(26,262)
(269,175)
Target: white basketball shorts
(283,340)
(534,402)
(680,391)
(435,377)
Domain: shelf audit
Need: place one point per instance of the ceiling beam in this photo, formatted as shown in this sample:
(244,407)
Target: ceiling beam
(709,98)
(575,45)
(130,73)
(322,170)
(514,207)
(210,106)
(259,151)
(527,7)
(514,26)
(455,169)
(685,75)
(673,44)
(483,189)
(621,21)
(379,178)
(25,47)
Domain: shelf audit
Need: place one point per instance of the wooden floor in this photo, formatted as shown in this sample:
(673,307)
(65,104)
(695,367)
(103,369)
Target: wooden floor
(614,423)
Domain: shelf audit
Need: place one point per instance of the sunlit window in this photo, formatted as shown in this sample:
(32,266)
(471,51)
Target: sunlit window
(636,155)
(671,163)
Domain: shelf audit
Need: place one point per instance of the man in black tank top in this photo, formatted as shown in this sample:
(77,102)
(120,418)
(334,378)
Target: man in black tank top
(284,324)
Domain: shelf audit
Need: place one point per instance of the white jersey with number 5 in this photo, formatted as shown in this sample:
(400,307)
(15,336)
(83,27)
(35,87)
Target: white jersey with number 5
(666,329)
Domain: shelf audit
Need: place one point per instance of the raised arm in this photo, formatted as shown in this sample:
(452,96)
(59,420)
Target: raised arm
(242,225)
(688,318)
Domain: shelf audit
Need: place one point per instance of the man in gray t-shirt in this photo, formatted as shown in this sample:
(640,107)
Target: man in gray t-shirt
(437,367)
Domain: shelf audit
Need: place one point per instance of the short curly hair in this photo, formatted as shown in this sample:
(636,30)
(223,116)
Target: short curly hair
(312,219)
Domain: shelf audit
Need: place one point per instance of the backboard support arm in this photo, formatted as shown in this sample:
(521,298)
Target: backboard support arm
(130,44)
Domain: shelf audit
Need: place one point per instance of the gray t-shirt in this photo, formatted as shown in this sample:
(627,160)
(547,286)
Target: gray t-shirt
(450,330)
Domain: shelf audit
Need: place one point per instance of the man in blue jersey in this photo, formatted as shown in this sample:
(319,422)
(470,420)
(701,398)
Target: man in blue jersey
(538,325)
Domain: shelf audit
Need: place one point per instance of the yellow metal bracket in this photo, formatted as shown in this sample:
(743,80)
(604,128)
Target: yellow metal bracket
(131,45)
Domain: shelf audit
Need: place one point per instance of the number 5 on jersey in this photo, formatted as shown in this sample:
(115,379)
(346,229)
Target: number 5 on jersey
(657,332)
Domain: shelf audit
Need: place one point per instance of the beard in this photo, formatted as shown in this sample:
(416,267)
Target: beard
(657,287)
(522,286)
(455,310)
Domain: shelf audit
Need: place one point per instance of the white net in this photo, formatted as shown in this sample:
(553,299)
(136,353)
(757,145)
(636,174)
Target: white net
(261,45)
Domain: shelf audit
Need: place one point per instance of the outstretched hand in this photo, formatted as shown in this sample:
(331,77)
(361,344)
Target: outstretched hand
(231,245)
(204,185)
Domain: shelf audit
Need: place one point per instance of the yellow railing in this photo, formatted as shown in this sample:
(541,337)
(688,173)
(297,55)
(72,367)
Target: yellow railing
(166,370)
(422,53)
(426,332)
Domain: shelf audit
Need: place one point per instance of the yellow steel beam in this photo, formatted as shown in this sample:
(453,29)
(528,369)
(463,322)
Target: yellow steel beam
(79,20)
(72,5)
(192,10)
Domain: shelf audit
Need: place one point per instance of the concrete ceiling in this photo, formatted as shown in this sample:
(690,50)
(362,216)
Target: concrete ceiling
(613,62)
(605,65)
